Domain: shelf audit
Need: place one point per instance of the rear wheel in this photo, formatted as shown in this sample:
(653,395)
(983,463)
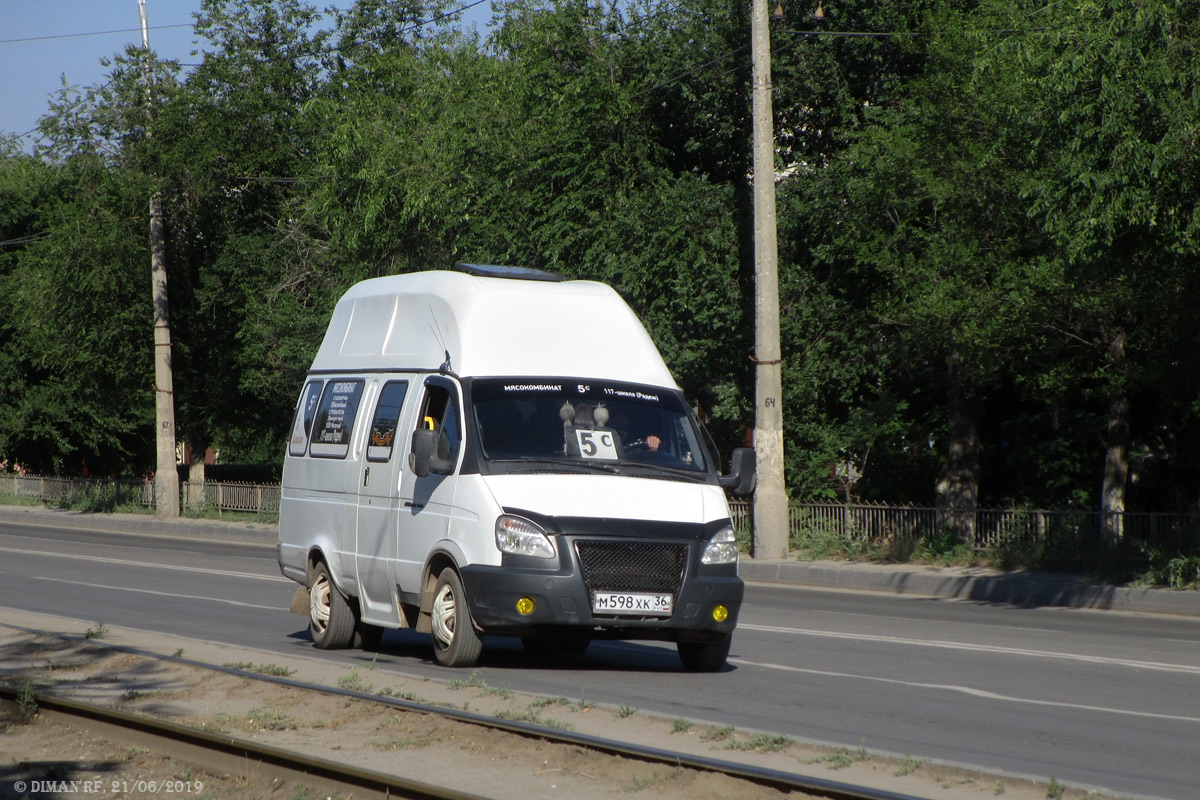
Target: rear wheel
(704,656)
(330,618)
(456,643)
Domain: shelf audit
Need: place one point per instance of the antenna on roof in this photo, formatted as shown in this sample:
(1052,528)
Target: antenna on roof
(437,334)
(515,273)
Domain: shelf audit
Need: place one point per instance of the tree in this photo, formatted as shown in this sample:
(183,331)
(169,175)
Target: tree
(233,147)
(1116,190)
(534,152)
(72,384)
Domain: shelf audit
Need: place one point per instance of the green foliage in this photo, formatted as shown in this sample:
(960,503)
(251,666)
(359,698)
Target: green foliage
(71,381)
(1183,572)
(104,497)
(975,208)
(27,706)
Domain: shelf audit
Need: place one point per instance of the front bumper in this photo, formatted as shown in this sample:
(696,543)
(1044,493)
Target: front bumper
(562,599)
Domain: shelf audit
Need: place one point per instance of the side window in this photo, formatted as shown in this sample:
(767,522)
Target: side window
(439,412)
(335,419)
(387,416)
(306,409)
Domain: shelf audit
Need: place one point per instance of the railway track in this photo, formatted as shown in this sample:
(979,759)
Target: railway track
(226,753)
(219,753)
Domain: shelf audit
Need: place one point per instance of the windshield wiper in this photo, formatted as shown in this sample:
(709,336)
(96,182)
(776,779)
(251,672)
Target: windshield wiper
(651,469)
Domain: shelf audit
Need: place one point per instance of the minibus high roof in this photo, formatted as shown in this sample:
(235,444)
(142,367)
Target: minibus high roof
(489,326)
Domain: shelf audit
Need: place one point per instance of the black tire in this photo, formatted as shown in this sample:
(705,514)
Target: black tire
(456,643)
(560,643)
(704,656)
(330,619)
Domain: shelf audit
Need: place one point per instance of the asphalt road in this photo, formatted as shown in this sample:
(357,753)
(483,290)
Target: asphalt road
(1103,700)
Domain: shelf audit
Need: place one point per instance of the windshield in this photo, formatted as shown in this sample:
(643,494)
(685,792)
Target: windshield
(609,426)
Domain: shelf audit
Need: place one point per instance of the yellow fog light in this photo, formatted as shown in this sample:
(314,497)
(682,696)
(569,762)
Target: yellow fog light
(526,605)
(720,613)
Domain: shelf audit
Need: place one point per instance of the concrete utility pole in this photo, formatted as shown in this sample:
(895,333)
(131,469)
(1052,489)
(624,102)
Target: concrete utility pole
(770,499)
(166,477)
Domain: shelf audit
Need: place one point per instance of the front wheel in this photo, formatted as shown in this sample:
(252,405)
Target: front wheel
(456,643)
(330,618)
(704,656)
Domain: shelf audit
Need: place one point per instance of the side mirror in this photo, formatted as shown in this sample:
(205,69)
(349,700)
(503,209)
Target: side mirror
(422,456)
(742,473)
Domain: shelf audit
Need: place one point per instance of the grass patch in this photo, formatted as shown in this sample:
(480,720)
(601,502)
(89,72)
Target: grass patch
(102,497)
(408,743)
(353,682)
(473,681)
(263,669)
(717,734)
(531,717)
(271,720)
(16,500)
(624,711)
(841,759)
(244,517)
(761,743)
(98,632)
(543,702)
(642,784)
(27,707)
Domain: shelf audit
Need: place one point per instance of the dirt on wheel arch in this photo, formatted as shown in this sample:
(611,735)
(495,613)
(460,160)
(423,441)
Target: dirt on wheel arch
(413,745)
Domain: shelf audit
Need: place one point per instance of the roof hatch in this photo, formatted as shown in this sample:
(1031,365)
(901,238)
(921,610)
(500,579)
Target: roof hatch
(516,273)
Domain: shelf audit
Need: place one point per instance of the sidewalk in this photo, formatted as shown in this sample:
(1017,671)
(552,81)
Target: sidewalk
(972,583)
(963,583)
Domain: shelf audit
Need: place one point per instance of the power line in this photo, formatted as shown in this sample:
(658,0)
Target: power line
(90,33)
(696,69)
(34,237)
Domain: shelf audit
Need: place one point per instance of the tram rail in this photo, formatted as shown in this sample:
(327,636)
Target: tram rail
(226,752)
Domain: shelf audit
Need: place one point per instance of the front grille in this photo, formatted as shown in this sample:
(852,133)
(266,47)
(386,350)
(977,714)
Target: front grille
(632,566)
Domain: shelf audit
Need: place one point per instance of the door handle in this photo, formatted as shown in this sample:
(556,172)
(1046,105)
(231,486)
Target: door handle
(410,504)
(366,476)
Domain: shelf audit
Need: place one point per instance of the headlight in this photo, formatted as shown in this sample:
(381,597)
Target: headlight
(522,538)
(721,549)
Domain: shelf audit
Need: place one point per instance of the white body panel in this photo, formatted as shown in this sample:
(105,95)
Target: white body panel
(609,497)
(489,326)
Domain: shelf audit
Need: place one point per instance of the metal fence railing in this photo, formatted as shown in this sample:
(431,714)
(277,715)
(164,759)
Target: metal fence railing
(254,498)
(981,528)
(250,498)
(72,490)
(858,522)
